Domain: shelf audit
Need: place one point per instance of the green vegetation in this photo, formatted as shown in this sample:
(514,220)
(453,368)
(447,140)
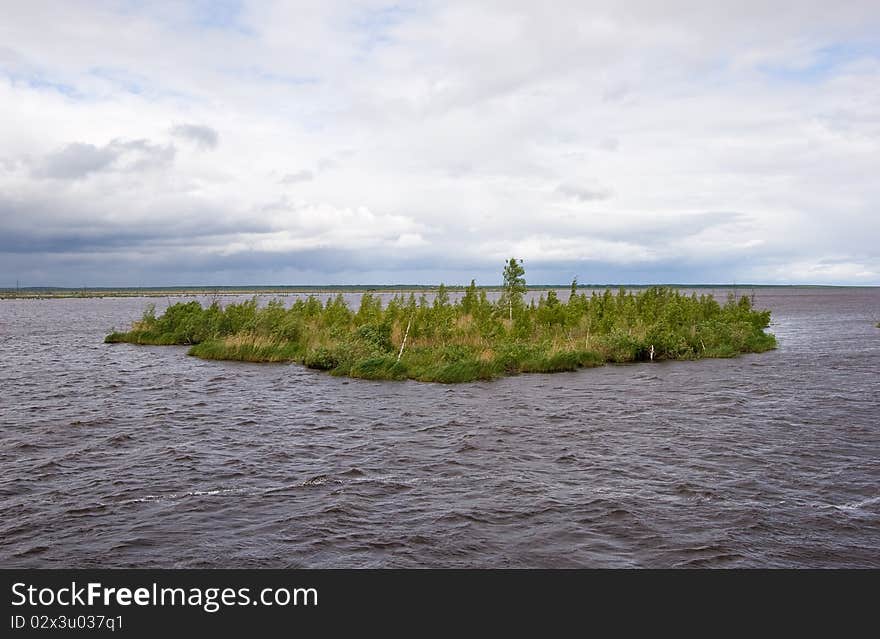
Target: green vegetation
(472,338)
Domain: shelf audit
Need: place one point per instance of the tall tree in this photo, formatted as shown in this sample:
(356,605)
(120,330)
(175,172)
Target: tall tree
(441,299)
(514,284)
(469,301)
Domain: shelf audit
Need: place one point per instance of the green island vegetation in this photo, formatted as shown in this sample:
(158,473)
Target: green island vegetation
(464,340)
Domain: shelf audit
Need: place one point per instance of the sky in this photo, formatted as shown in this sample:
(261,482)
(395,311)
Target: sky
(246,143)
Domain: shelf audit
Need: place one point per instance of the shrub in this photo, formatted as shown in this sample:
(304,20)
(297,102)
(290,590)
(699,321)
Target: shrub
(322,359)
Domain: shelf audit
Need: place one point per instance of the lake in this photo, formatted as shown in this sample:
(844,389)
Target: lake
(127,456)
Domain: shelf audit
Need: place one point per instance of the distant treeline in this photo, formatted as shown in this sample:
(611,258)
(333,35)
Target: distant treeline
(42,292)
(471,338)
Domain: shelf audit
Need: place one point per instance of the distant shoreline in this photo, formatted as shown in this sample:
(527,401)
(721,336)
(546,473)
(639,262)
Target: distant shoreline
(53,292)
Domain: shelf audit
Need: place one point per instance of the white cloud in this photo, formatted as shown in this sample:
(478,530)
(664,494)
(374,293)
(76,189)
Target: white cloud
(299,176)
(610,133)
(583,194)
(410,240)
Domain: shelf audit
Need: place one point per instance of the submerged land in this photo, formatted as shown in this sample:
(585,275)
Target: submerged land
(440,340)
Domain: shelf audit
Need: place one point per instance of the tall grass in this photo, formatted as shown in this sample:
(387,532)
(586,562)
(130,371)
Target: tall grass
(466,340)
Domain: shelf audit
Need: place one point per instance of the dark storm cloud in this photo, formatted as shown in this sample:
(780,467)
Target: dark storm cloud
(203,136)
(149,265)
(41,226)
(78,160)
(104,239)
(193,248)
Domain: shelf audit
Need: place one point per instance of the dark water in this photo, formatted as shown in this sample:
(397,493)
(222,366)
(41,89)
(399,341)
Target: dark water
(140,456)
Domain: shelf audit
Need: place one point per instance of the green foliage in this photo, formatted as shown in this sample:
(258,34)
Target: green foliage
(441,299)
(551,311)
(246,351)
(514,280)
(561,361)
(379,367)
(322,358)
(514,286)
(457,372)
(470,301)
(466,340)
(236,318)
(377,336)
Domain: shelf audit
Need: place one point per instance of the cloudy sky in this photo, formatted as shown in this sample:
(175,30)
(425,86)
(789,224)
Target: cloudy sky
(152,143)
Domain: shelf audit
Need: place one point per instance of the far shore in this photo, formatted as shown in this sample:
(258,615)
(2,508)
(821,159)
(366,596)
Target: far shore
(222,291)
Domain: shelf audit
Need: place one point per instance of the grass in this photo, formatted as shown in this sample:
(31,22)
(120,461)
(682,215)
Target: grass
(471,339)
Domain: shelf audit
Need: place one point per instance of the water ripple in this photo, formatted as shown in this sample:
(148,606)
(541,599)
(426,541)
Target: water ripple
(140,456)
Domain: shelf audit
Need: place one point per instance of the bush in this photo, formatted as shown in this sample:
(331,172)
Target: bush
(511,355)
(623,347)
(377,336)
(322,359)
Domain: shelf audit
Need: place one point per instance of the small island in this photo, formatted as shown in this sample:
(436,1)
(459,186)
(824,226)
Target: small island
(473,338)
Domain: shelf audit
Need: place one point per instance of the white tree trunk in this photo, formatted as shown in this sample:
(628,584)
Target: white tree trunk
(403,343)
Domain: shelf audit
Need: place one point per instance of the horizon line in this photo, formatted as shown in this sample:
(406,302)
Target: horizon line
(195,287)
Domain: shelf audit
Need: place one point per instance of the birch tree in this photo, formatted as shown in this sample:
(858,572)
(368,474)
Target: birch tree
(514,285)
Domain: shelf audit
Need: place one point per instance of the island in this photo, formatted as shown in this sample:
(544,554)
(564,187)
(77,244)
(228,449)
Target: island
(468,339)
